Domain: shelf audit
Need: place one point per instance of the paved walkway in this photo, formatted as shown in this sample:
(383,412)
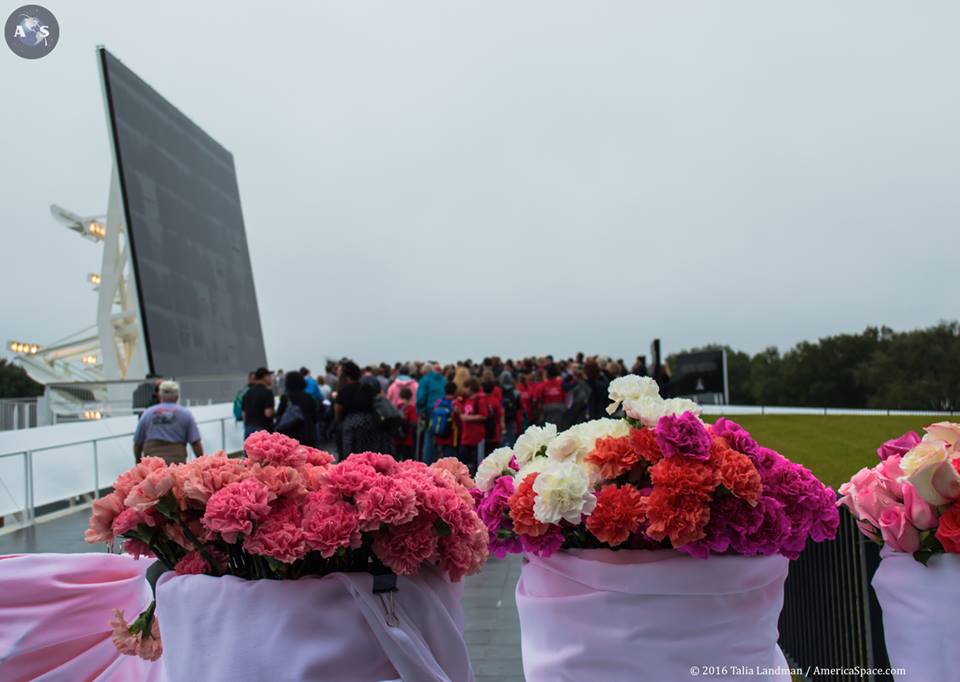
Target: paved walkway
(492,630)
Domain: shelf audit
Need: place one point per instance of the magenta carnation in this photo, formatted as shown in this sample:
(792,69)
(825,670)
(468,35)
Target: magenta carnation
(736,437)
(738,527)
(274,448)
(683,434)
(808,505)
(493,510)
(543,545)
(236,507)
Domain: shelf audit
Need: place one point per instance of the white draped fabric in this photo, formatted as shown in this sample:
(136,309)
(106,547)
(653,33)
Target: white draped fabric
(920,606)
(650,615)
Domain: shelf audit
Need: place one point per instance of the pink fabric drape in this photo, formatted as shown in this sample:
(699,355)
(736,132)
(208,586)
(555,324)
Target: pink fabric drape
(330,628)
(920,605)
(650,615)
(54,610)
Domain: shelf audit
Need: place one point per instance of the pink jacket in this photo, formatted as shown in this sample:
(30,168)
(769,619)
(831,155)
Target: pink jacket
(393,393)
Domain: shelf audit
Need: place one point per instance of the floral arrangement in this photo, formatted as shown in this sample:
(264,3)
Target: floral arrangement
(657,478)
(910,501)
(285,511)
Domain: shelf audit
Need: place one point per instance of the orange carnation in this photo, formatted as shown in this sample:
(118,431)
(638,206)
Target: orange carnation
(613,456)
(684,474)
(618,514)
(681,516)
(645,444)
(737,473)
(521,510)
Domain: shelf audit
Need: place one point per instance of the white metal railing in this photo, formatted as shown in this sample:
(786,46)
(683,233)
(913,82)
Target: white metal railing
(852,411)
(58,467)
(18,413)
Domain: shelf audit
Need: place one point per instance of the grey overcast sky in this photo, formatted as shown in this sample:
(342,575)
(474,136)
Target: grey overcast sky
(450,179)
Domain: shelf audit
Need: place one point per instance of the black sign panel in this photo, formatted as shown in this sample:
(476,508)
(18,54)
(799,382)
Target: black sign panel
(187,238)
(697,373)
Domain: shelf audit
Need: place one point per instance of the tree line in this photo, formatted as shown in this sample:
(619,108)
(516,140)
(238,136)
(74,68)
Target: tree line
(877,368)
(16,383)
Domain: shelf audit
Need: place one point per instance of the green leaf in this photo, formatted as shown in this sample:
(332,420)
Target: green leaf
(169,507)
(441,527)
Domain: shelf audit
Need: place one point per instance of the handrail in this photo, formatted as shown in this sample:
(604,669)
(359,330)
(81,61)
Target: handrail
(29,506)
(20,451)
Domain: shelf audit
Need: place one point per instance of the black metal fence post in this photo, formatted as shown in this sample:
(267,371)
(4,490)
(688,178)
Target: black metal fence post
(831,618)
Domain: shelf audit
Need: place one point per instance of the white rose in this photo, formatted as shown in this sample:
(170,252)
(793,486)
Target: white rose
(948,432)
(924,455)
(493,467)
(532,441)
(563,492)
(630,387)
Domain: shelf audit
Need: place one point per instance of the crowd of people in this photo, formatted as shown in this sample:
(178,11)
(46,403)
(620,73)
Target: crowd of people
(426,410)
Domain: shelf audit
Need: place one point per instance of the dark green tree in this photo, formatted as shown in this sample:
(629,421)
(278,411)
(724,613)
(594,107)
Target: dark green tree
(16,383)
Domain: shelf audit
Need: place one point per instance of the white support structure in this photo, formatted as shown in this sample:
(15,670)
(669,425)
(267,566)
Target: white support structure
(116,351)
(119,326)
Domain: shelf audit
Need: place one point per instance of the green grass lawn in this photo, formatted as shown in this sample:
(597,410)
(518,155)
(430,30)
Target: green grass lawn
(834,447)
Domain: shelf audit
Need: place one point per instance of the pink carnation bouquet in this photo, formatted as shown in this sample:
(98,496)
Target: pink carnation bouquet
(285,511)
(910,500)
(657,478)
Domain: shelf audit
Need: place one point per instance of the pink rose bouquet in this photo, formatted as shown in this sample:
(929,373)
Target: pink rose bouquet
(658,478)
(285,511)
(909,501)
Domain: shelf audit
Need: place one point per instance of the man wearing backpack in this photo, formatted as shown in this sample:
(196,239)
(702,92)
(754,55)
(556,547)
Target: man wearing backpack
(238,399)
(432,388)
(443,429)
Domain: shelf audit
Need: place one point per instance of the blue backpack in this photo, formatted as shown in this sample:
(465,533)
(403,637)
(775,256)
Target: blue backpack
(238,403)
(441,423)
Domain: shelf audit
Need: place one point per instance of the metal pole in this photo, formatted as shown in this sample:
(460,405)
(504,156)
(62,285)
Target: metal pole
(96,471)
(865,601)
(726,380)
(223,435)
(28,485)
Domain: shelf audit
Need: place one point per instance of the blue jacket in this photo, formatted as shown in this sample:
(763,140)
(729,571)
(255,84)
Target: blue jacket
(432,388)
(313,389)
